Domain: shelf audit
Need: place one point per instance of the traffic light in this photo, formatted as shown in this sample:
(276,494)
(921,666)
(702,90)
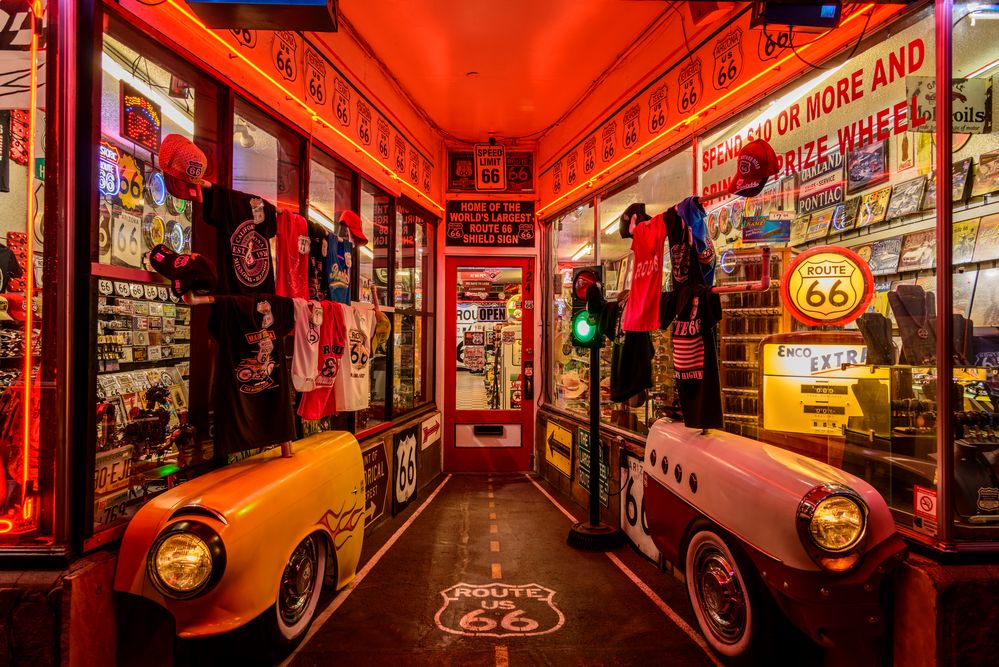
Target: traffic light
(587,300)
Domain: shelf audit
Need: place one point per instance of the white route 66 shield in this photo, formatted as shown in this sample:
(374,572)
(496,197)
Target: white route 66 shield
(499,610)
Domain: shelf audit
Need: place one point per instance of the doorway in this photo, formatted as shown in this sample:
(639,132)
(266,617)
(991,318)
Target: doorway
(489,364)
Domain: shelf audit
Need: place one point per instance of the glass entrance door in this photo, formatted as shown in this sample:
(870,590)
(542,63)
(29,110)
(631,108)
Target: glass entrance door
(489,368)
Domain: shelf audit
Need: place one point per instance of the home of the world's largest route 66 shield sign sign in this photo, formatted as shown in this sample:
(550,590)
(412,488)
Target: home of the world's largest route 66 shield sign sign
(499,610)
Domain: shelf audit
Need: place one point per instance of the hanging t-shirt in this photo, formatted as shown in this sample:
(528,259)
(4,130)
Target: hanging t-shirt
(246,224)
(631,357)
(353,385)
(305,360)
(321,401)
(9,268)
(318,282)
(253,396)
(641,313)
(694,311)
(293,248)
(683,253)
(338,255)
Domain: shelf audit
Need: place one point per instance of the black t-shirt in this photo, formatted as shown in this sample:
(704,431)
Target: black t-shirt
(253,390)
(631,356)
(318,246)
(694,310)
(9,268)
(245,224)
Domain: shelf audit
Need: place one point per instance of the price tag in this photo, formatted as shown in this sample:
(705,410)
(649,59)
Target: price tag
(490,167)
(828,285)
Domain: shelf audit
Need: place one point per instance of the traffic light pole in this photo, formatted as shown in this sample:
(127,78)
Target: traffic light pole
(592,535)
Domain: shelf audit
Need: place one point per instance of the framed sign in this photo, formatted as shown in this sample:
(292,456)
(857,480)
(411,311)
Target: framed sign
(490,167)
(828,285)
(461,171)
(505,224)
(141,119)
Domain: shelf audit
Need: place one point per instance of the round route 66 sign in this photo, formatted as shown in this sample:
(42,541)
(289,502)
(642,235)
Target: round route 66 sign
(828,285)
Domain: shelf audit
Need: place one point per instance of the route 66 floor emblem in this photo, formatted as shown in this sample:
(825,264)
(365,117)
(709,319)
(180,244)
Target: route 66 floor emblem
(499,610)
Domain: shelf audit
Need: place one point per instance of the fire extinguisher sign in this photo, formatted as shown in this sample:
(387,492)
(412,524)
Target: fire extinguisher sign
(490,167)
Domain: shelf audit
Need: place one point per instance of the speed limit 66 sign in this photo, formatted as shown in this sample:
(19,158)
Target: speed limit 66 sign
(828,285)
(490,167)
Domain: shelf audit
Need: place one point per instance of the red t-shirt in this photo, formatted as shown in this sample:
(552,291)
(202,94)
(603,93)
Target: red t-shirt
(641,313)
(320,402)
(292,255)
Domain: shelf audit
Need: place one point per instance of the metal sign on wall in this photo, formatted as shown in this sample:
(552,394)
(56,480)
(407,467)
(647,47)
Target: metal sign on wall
(376,480)
(518,171)
(506,224)
(490,168)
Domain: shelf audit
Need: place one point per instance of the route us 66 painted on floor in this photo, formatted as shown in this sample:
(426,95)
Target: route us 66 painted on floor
(499,610)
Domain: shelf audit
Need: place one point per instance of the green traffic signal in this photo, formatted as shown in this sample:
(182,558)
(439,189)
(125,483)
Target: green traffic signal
(584,327)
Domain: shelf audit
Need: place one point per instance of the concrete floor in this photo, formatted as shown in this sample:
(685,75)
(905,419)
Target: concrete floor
(573,608)
(481,575)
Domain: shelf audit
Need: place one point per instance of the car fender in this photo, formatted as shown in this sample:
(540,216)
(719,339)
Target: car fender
(750,489)
(261,508)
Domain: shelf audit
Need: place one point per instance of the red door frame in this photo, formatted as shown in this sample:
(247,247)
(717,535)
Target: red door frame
(499,459)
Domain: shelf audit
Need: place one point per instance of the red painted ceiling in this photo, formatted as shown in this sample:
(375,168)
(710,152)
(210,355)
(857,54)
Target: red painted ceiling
(533,59)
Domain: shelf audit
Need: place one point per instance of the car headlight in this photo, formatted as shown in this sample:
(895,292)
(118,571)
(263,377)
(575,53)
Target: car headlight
(832,522)
(186,559)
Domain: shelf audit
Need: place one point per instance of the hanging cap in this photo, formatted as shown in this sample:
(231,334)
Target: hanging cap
(756,163)
(17,307)
(187,273)
(353,222)
(183,166)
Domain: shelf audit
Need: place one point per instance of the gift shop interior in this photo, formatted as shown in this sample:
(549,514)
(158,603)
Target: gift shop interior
(716,281)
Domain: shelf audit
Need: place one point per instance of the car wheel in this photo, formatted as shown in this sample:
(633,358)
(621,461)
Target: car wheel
(299,589)
(731,609)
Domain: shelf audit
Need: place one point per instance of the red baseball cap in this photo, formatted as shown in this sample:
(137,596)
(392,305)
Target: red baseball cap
(756,163)
(353,222)
(17,307)
(183,166)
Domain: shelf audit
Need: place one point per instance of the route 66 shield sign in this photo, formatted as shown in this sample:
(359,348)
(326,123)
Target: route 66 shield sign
(728,59)
(499,610)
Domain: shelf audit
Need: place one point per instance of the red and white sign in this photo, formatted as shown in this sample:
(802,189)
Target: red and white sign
(490,167)
(924,502)
(430,431)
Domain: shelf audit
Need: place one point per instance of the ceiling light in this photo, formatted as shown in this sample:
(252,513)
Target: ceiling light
(583,251)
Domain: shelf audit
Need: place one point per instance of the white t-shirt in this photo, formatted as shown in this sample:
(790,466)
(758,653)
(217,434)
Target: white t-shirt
(352,388)
(305,361)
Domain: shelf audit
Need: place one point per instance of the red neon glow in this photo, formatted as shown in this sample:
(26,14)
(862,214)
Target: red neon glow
(294,98)
(6,526)
(691,118)
(29,269)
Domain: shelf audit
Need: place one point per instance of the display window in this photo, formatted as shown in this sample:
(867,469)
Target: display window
(571,244)
(143,331)
(413,325)
(374,273)
(266,158)
(856,157)
(973,496)
(27,247)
